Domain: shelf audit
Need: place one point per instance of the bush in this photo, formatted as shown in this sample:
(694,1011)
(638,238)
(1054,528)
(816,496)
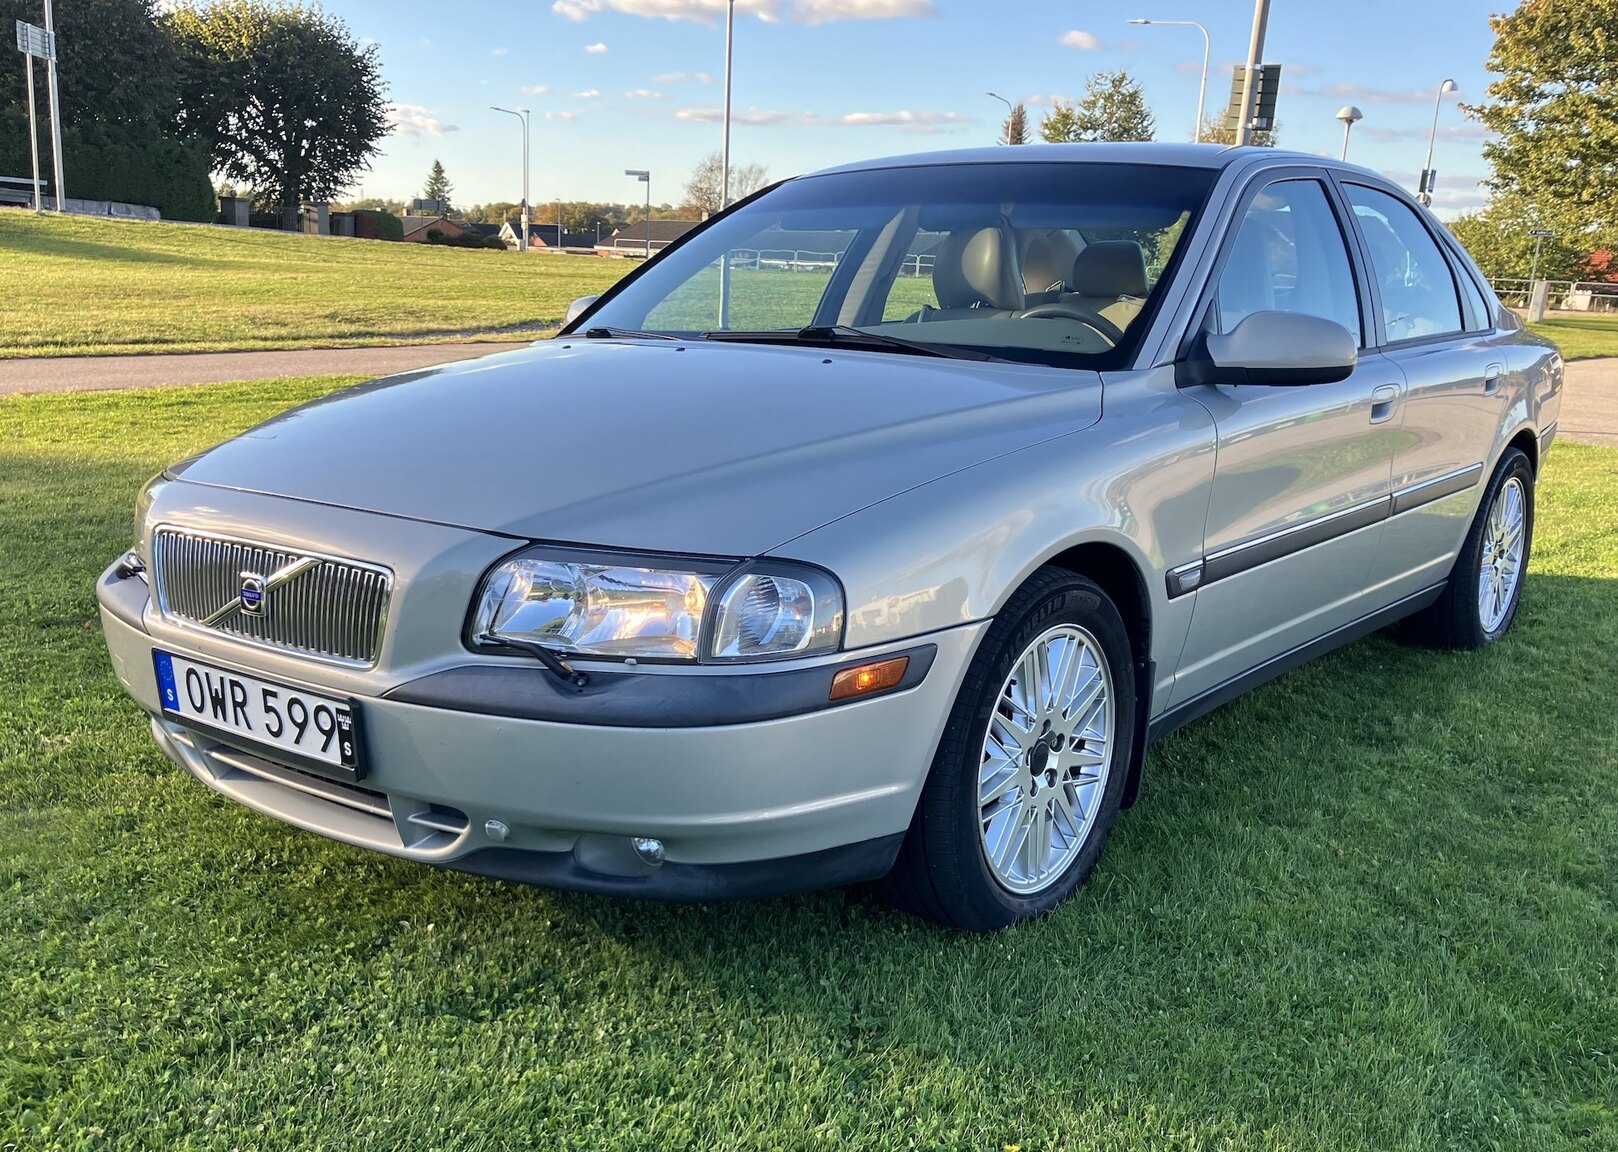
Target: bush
(465,240)
(370,224)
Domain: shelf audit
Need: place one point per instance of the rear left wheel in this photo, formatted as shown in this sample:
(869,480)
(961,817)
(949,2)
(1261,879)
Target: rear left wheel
(1029,775)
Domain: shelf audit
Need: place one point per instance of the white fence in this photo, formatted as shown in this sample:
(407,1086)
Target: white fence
(785,260)
(1564,295)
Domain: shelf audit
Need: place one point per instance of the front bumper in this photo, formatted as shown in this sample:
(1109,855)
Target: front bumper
(810,799)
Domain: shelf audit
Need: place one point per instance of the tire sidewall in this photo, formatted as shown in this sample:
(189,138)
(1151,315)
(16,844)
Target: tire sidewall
(1075,601)
(1513,464)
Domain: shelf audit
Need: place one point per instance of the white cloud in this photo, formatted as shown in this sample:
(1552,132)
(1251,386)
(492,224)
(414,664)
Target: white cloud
(500,52)
(670,78)
(751,116)
(1083,41)
(1365,94)
(642,94)
(901,119)
(535,89)
(596,49)
(588,94)
(561,115)
(415,120)
(770,11)
(1419,132)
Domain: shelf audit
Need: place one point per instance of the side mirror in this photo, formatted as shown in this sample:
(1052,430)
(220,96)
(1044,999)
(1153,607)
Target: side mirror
(1274,348)
(578,308)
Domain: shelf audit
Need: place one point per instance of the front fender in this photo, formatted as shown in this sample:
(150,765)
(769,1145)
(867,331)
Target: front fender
(953,551)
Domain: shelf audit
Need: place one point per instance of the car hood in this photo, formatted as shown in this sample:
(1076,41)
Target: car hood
(717,449)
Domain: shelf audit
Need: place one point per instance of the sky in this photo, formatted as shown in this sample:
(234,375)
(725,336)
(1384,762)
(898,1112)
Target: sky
(616,84)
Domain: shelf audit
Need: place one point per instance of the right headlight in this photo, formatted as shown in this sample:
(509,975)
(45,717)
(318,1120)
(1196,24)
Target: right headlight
(616,607)
(777,611)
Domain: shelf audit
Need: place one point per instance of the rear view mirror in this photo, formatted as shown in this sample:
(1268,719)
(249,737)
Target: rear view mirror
(579,307)
(1273,348)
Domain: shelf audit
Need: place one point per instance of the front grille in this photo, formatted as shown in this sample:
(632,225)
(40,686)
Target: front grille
(334,610)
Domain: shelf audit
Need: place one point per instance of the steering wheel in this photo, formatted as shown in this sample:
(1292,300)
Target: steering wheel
(1096,322)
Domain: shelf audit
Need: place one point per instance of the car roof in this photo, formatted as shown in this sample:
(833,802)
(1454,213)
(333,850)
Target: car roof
(1211,156)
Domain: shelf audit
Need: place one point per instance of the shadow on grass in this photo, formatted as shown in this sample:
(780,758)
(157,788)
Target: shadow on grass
(60,246)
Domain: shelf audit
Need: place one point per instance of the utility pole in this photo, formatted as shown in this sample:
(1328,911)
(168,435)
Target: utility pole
(56,106)
(1255,55)
(730,34)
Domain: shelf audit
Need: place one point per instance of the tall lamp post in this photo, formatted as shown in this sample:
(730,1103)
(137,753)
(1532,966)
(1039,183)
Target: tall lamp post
(1010,111)
(1429,178)
(724,180)
(645,178)
(1350,116)
(521,114)
(1207,49)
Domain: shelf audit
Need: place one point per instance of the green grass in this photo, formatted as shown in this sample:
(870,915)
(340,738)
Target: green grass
(1372,906)
(76,286)
(1582,337)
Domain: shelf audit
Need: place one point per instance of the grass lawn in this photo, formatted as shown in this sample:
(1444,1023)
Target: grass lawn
(1582,337)
(1372,906)
(77,286)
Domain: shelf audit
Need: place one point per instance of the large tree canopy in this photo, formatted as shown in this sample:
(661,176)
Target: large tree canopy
(1554,105)
(704,192)
(1112,108)
(121,139)
(283,96)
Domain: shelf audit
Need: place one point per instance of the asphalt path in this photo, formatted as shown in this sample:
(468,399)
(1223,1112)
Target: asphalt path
(106,373)
(1589,402)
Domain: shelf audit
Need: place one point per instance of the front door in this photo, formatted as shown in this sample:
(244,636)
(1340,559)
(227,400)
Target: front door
(1303,474)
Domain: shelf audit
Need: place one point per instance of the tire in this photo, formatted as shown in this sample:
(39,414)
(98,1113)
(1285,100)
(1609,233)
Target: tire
(1463,617)
(944,871)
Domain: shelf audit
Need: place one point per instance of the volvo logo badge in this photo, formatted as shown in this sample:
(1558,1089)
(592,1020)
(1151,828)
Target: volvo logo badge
(252,594)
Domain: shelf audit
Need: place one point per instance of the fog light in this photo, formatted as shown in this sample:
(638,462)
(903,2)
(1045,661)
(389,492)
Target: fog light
(649,850)
(865,679)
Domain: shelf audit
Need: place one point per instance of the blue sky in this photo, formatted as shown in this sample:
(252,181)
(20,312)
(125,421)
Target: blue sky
(618,84)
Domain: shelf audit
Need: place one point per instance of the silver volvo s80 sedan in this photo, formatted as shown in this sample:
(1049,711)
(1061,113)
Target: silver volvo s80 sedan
(873,530)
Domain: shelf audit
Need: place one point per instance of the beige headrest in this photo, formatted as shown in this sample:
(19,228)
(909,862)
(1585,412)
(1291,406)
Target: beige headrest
(1110,268)
(977,268)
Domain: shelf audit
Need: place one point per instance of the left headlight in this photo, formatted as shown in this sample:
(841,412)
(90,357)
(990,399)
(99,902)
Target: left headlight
(617,608)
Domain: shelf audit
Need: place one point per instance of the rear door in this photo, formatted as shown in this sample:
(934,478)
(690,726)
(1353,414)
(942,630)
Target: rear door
(1303,474)
(1432,322)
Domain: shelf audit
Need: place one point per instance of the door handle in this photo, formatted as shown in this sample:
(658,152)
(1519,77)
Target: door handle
(1491,378)
(1384,402)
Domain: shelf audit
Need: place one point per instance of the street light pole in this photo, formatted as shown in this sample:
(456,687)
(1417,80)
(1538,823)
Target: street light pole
(645,178)
(1255,55)
(1207,50)
(1429,178)
(1350,116)
(724,180)
(55,99)
(521,114)
(1010,111)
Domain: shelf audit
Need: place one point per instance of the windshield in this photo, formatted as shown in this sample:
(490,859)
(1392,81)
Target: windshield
(1056,263)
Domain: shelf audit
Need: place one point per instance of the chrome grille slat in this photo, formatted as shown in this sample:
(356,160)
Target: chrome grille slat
(335,611)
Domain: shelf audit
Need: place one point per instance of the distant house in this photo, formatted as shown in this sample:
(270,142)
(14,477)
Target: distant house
(630,241)
(418,229)
(486,231)
(543,236)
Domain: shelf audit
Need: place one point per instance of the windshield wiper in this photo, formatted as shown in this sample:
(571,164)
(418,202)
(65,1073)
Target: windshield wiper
(833,335)
(624,334)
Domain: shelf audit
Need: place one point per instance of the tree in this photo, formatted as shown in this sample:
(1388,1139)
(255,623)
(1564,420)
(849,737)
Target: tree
(704,192)
(438,186)
(1015,129)
(1553,105)
(1498,239)
(121,132)
(282,96)
(1112,108)
(1215,132)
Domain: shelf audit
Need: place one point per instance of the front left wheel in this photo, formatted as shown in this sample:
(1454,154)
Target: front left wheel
(1030,772)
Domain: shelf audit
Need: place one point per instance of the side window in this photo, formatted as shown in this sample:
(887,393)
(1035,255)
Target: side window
(1289,256)
(1479,318)
(1418,289)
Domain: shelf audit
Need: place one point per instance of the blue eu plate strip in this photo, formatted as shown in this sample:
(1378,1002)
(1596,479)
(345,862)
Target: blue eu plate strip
(166,688)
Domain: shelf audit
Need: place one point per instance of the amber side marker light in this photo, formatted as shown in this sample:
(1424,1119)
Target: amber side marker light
(868,678)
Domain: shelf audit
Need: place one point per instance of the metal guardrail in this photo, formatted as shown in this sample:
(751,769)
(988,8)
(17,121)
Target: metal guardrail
(1562,296)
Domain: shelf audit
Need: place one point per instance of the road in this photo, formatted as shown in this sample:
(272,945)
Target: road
(104,373)
(1589,404)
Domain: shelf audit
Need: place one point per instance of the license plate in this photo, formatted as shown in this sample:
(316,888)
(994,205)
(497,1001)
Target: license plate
(303,728)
